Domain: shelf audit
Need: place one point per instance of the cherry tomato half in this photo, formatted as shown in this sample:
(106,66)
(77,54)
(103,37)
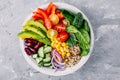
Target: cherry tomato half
(62,36)
(51,33)
(54,18)
(60,27)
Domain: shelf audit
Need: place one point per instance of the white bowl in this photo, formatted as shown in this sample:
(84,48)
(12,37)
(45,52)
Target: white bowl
(67,70)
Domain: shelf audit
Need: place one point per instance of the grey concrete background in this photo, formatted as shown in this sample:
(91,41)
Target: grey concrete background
(104,63)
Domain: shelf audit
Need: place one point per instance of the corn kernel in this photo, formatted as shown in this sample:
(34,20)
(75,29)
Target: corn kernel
(59,42)
(63,44)
(68,54)
(56,41)
(67,46)
(66,49)
(61,49)
(66,60)
(58,49)
(52,39)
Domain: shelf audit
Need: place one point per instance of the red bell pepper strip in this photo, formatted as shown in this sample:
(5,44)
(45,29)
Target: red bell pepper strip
(48,10)
(57,11)
(53,9)
(42,12)
(47,21)
(35,17)
(59,14)
(38,14)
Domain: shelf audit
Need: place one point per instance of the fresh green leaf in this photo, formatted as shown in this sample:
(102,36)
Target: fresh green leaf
(80,38)
(86,26)
(84,53)
(84,46)
(71,29)
(78,20)
(72,40)
(68,15)
(85,35)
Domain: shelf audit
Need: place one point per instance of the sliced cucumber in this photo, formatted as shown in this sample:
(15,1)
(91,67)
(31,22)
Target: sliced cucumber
(38,60)
(45,46)
(35,56)
(47,49)
(47,55)
(47,64)
(47,58)
(41,63)
(40,52)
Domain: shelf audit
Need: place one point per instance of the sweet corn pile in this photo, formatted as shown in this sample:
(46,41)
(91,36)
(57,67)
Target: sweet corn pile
(62,48)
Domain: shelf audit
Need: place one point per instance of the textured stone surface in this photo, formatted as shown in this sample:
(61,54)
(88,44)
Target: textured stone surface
(104,63)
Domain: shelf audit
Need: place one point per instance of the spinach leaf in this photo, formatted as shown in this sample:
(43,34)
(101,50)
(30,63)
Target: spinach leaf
(78,20)
(84,53)
(84,46)
(85,35)
(71,29)
(86,26)
(72,40)
(80,38)
(68,15)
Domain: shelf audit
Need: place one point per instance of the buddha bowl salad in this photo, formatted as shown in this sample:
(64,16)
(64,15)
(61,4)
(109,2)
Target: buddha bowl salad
(56,38)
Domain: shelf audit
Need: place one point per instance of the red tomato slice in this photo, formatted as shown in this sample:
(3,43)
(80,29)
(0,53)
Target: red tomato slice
(48,23)
(60,27)
(62,36)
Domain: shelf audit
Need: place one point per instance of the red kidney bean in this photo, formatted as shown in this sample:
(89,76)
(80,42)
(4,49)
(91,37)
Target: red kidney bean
(30,40)
(28,52)
(39,44)
(32,50)
(28,44)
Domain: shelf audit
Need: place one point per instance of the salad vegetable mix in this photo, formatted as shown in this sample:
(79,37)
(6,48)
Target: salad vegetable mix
(56,38)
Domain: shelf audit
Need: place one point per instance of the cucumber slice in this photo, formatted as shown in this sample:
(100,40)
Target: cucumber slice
(40,52)
(38,60)
(47,59)
(41,64)
(47,65)
(47,49)
(45,46)
(35,56)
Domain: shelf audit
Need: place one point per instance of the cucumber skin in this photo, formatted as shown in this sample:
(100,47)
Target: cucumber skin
(41,53)
(47,49)
(47,65)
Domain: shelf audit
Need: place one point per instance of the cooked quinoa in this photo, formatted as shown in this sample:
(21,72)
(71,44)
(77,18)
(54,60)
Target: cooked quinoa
(75,56)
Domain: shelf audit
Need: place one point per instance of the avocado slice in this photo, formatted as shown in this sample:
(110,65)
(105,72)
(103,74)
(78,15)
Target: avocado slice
(35,29)
(31,34)
(36,23)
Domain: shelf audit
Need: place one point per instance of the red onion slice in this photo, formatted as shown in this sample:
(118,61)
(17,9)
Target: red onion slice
(57,65)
